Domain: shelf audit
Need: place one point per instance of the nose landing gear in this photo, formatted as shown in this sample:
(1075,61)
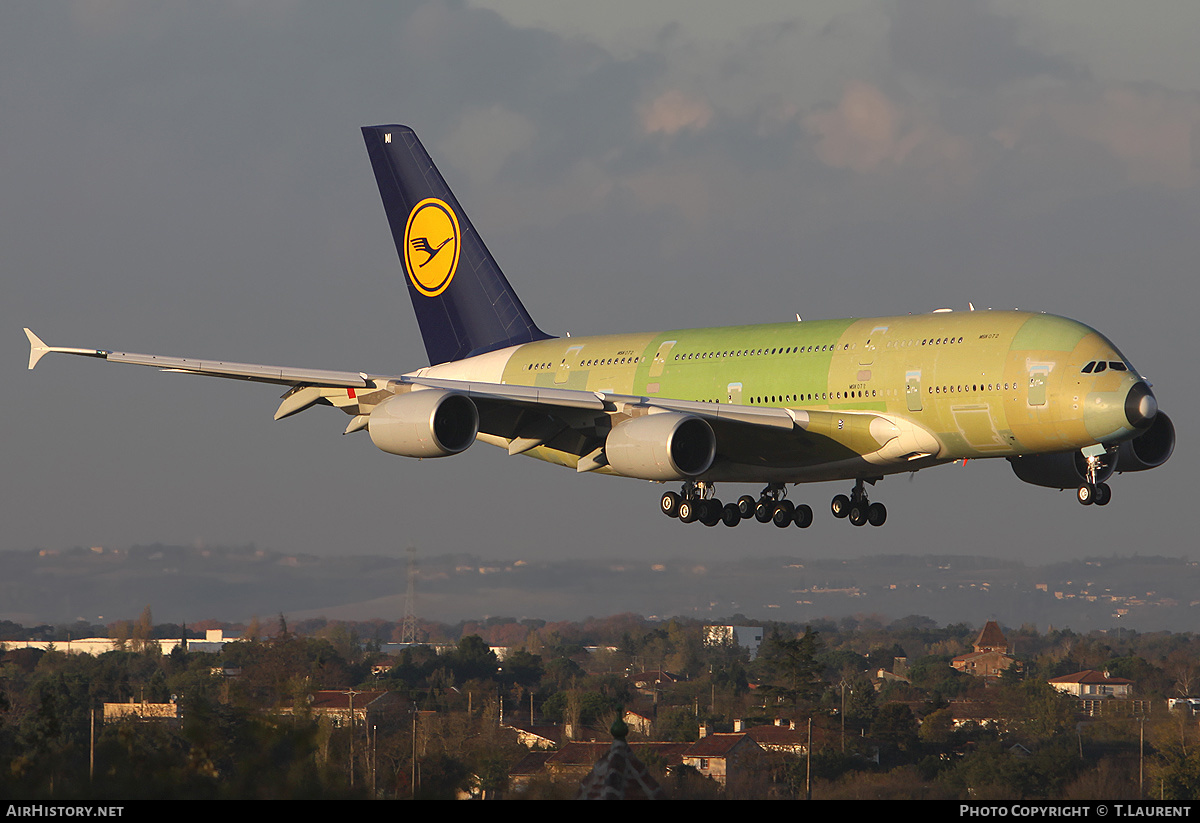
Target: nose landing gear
(1090,491)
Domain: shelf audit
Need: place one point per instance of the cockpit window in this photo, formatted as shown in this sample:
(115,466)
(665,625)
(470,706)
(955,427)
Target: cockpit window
(1117,365)
(1101,366)
(1088,368)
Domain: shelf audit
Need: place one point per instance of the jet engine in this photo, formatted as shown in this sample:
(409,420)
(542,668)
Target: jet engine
(1063,470)
(424,423)
(1150,449)
(666,446)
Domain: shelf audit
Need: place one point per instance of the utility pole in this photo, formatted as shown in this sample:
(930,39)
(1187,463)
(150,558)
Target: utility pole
(408,634)
(351,694)
(808,764)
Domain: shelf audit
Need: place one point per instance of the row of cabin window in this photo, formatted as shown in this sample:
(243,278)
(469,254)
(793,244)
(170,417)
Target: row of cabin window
(596,362)
(814,396)
(787,350)
(757,352)
(972,388)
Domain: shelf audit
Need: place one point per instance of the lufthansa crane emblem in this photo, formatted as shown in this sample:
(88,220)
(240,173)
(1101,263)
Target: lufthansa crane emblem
(431,246)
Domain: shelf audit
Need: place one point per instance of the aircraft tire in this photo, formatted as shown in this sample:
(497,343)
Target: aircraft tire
(782,517)
(670,504)
(688,512)
(803,516)
(731,515)
(764,511)
(1103,494)
(1086,494)
(746,506)
(840,506)
(858,514)
(876,514)
(711,514)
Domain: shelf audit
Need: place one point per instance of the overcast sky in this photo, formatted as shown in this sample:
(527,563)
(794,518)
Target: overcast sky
(189,179)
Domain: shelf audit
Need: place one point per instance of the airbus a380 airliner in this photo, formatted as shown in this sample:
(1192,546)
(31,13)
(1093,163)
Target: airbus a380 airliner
(778,404)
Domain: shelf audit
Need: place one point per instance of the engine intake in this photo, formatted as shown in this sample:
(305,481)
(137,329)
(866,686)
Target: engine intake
(424,423)
(1150,449)
(665,446)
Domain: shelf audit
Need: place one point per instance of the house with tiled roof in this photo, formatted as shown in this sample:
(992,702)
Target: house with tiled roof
(780,736)
(991,655)
(1093,684)
(723,757)
(641,722)
(1099,693)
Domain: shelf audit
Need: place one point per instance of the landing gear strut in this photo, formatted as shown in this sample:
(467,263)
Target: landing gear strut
(857,508)
(696,502)
(1090,491)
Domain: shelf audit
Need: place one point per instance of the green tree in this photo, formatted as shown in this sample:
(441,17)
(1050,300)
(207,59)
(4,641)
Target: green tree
(791,666)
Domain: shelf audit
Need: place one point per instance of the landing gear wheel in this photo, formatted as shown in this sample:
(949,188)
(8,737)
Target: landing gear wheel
(803,516)
(731,515)
(688,511)
(857,514)
(783,516)
(670,504)
(1086,494)
(840,506)
(746,505)
(1103,494)
(876,514)
(710,514)
(764,511)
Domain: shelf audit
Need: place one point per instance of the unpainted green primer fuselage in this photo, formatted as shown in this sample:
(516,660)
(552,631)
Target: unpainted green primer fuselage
(981,383)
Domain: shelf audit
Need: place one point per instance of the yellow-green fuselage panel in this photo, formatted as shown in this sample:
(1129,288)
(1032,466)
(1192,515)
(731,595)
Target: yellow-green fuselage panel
(985,384)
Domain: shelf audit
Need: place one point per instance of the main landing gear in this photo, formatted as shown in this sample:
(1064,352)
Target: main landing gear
(696,501)
(1090,491)
(857,508)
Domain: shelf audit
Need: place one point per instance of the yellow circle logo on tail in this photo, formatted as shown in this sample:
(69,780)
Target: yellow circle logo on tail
(431,242)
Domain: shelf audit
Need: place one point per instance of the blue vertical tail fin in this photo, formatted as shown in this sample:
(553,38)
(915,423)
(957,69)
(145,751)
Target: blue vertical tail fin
(464,304)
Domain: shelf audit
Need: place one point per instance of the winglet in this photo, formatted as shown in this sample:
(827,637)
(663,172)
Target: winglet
(37,349)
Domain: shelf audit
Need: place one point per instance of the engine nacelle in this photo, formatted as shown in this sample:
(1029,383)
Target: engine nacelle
(1063,470)
(1150,449)
(424,423)
(665,446)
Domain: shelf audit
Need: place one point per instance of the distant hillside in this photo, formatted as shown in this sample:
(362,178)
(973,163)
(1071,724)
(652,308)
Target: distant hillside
(190,584)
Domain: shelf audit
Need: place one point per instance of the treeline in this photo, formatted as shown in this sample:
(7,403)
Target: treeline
(895,736)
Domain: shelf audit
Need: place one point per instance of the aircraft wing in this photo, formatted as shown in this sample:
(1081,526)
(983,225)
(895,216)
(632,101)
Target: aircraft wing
(609,401)
(281,375)
(572,421)
(569,420)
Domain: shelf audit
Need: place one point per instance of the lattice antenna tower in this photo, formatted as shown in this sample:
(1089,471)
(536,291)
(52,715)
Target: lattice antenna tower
(409,633)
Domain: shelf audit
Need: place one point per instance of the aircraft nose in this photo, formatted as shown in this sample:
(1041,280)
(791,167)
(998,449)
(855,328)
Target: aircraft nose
(1140,405)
